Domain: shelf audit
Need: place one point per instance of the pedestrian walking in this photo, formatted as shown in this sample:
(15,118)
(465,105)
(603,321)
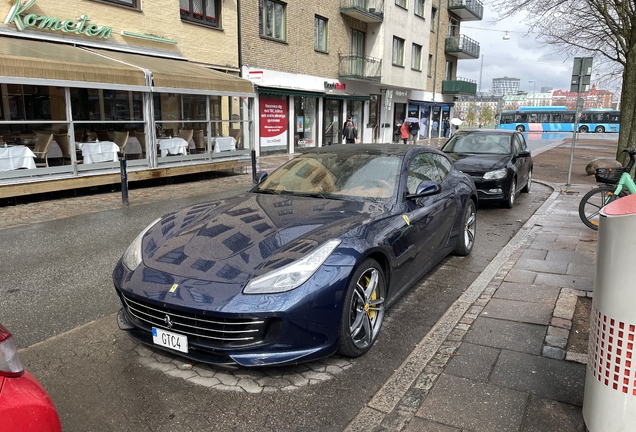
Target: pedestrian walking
(414,130)
(446,127)
(405,132)
(350,132)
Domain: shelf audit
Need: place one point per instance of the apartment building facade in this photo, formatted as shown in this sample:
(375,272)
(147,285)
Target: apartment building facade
(315,64)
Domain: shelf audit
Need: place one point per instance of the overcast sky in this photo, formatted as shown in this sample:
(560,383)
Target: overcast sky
(521,56)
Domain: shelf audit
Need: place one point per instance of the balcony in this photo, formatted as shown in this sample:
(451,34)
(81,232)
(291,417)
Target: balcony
(467,10)
(359,67)
(368,11)
(462,47)
(459,86)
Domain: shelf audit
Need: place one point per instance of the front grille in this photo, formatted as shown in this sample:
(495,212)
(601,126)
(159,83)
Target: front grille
(204,330)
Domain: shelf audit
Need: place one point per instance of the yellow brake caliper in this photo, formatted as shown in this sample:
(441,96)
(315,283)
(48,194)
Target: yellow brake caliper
(374,296)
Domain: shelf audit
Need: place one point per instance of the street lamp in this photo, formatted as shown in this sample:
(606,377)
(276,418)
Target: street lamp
(534,86)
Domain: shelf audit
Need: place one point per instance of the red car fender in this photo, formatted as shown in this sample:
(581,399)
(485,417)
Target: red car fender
(26,407)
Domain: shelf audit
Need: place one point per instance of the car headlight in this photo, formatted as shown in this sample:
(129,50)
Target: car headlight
(132,257)
(495,175)
(292,275)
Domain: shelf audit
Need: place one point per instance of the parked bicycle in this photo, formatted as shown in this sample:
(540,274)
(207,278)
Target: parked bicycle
(618,183)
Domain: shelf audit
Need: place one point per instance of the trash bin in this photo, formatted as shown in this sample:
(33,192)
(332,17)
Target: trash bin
(610,384)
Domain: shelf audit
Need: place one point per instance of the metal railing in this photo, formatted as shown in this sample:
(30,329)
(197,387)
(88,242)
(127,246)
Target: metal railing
(360,67)
(367,7)
(475,7)
(462,44)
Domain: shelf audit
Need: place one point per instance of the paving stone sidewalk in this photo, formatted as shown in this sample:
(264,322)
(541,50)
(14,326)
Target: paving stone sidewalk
(503,366)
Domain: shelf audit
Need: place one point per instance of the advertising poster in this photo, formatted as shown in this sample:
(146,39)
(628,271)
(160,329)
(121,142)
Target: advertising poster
(300,122)
(273,119)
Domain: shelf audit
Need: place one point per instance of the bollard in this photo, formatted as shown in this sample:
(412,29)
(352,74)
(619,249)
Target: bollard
(609,403)
(124,181)
(254,165)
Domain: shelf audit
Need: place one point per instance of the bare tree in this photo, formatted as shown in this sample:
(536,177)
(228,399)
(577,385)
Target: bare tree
(603,29)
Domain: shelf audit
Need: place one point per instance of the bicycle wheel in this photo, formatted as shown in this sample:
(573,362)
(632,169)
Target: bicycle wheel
(592,203)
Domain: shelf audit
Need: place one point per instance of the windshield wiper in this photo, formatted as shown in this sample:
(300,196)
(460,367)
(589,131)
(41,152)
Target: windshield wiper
(268,191)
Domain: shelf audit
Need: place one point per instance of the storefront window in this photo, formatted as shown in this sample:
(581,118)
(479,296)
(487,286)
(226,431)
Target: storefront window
(305,133)
(28,102)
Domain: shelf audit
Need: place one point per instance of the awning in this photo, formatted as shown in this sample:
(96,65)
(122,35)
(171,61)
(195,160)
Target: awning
(177,74)
(348,96)
(288,92)
(430,104)
(23,58)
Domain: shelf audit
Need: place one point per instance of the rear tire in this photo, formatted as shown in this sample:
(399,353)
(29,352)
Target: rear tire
(520,128)
(592,203)
(363,310)
(466,239)
(599,129)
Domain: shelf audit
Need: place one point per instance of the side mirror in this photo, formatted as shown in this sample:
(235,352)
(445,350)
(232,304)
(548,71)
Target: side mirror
(524,153)
(260,177)
(426,188)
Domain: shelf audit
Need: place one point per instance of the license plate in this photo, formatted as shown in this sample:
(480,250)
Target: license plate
(170,340)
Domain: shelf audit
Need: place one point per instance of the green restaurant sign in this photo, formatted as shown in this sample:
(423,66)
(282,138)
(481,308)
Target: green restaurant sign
(80,26)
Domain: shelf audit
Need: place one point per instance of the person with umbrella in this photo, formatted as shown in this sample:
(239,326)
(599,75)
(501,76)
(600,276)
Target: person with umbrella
(414,127)
(455,122)
(405,131)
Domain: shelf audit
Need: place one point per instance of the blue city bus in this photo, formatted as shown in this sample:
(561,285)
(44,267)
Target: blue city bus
(600,120)
(538,119)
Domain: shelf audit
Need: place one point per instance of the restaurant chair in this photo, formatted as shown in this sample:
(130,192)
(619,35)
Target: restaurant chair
(121,139)
(169,132)
(199,141)
(141,137)
(65,145)
(186,134)
(41,149)
(237,134)
(102,135)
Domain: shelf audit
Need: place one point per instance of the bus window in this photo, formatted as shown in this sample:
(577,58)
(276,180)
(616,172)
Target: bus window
(555,118)
(543,118)
(532,118)
(506,118)
(567,118)
(614,117)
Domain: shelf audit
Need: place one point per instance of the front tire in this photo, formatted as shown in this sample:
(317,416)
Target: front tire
(510,201)
(363,310)
(599,129)
(466,239)
(583,129)
(528,185)
(592,203)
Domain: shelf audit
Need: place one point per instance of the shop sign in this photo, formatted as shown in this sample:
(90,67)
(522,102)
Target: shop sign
(80,26)
(273,121)
(335,86)
(400,93)
(255,76)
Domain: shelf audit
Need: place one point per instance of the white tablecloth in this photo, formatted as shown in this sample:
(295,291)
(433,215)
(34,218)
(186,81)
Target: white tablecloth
(102,151)
(224,144)
(173,146)
(15,157)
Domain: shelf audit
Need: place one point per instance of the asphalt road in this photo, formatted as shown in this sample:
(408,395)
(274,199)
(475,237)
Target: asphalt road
(57,280)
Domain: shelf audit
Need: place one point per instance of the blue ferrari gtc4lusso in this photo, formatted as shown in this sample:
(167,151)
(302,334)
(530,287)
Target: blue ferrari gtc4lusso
(301,266)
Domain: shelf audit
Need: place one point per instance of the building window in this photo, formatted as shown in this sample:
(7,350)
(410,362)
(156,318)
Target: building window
(273,19)
(401,3)
(429,71)
(419,8)
(449,71)
(433,18)
(416,57)
(129,3)
(398,51)
(320,33)
(200,11)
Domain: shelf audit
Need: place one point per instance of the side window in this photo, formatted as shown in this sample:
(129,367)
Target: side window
(444,166)
(516,145)
(421,168)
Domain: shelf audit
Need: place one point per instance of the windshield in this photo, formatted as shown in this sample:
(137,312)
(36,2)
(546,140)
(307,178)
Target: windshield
(335,175)
(480,143)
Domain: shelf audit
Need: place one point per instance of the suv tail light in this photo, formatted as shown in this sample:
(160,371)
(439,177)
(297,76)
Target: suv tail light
(10,365)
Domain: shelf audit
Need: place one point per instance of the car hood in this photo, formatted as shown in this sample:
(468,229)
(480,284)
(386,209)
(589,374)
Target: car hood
(479,163)
(232,240)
